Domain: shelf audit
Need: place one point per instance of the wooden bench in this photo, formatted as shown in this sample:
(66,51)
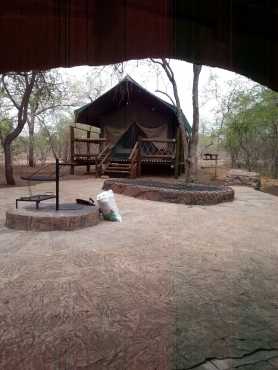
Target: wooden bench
(210,157)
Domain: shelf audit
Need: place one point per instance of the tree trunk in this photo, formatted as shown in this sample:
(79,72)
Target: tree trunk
(275,151)
(275,167)
(8,163)
(185,144)
(22,116)
(181,119)
(31,160)
(193,152)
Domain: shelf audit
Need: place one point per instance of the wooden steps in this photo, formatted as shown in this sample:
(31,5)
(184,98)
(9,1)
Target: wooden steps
(117,168)
(83,161)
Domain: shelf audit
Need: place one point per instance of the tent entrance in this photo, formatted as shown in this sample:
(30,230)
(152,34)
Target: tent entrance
(123,147)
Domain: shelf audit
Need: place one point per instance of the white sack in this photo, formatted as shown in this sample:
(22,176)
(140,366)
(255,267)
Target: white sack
(107,204)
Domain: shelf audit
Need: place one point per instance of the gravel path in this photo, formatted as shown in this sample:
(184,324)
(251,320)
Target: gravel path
(171,287)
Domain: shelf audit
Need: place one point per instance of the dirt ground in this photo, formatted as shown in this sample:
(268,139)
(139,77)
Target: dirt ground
(206,175)
(171,287)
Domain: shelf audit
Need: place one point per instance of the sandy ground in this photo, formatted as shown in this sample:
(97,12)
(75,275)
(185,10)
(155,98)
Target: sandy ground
(171,287)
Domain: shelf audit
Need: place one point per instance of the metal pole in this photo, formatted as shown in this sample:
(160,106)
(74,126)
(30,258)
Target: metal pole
(57,183)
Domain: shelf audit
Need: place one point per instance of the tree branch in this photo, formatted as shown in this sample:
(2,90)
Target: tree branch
(8,92)
(43,110)
(168,96)
(49,137)
(166,66)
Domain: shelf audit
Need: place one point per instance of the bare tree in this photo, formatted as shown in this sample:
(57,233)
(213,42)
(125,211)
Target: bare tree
(89,88)
(164,63)
(49,94)
(193,148)
(18,88)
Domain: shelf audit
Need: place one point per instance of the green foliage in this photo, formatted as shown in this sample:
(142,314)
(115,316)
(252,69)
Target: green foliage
(251,129)
(6,126)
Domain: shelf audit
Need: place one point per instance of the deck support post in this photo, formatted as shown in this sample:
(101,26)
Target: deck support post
(72,149)
(216,163)
(88,149)
(139,163)
(139,166)
(57,183)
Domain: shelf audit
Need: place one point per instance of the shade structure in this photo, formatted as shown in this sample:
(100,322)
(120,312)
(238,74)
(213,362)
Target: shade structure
(237,35)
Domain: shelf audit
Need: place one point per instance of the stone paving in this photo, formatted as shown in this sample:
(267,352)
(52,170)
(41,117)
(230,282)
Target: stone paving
(171,287)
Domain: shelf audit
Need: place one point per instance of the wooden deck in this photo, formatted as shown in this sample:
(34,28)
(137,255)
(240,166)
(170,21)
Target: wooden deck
(116,160)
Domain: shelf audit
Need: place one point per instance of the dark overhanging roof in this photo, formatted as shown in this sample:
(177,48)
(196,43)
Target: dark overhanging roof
(90,113)
(239,35)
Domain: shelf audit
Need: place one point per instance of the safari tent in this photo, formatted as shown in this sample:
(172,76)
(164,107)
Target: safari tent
(138,130)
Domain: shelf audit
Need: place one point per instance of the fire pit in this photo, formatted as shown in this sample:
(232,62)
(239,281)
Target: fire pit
(71,216)
(193,194)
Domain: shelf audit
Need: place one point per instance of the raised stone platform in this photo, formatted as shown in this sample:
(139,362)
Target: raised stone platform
(71,216)
(243,177)
(193,194)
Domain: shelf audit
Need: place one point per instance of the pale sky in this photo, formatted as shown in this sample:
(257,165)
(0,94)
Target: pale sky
(141,72)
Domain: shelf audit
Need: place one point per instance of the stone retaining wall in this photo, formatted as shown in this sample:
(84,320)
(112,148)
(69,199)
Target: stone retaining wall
(242,177)
(198,197)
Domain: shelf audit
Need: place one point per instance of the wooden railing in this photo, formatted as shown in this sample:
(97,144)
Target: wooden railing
(158,149)
(134,151)
(135,161)
(88,147)
(85,143)
(103,158)
(105,154)
(85,147)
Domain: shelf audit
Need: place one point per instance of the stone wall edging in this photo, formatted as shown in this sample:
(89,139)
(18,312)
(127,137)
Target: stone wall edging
(224,194)
(30,221)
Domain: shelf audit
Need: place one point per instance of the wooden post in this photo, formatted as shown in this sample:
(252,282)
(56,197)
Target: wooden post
(216,163)
(57,184)
(133,170)
(139,169)
(184,147)
(102,143)
(177,159)
(88,149)
(72,149)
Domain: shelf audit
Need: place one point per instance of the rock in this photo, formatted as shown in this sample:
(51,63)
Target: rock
(243,177)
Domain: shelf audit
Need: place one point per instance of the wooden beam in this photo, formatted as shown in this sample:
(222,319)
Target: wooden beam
(158,141)
(162,156)
(88,140)
(85,155)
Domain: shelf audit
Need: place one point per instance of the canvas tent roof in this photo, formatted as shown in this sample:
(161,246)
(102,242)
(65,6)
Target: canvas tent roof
(126,90)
